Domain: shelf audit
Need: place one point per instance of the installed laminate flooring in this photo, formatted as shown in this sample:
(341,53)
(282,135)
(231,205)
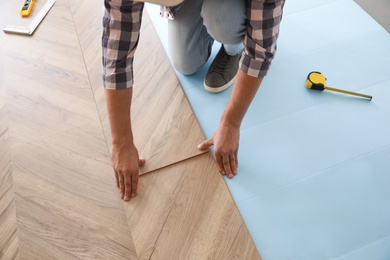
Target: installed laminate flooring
(199,219)
(8,236)
(57,194)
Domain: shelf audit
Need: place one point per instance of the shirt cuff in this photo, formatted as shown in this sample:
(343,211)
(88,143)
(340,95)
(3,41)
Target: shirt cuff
(118,80)
(252,67)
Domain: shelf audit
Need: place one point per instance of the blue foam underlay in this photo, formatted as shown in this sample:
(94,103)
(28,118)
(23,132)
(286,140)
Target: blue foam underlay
(326,215)
(314,172)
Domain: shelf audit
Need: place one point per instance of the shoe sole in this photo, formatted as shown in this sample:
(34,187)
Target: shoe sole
(221,88)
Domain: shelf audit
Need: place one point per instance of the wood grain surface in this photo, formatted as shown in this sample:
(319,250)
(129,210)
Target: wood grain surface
(47,86)
(199,220)
(58,198)
(8,228)
(65,180)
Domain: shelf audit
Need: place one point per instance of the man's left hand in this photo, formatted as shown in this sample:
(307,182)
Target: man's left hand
(226,141)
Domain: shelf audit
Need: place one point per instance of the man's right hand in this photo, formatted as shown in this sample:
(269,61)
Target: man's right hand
(124,154)
(126,163)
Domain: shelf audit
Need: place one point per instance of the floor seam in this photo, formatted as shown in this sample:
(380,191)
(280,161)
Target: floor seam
(88,75)
(97,109)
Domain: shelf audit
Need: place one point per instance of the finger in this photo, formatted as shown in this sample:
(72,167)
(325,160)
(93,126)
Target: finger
(121,186)
(226,166)
(141,161)
(218,159)
(236,157)
(134,185)
(116,179)
(127,188)
(206,144)
(233,165)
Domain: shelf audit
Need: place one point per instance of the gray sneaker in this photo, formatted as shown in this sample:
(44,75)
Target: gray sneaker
(222,71)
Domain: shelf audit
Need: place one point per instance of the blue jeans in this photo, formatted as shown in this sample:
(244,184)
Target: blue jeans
(197,23)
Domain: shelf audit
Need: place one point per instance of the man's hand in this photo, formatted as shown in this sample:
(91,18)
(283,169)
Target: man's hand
(126,163)
(226,142)
(124,154)
(227,135)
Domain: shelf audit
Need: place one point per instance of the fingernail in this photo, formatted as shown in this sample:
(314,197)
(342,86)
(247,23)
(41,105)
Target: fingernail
(126,198)
(121,195)
(231,176)
(133,195)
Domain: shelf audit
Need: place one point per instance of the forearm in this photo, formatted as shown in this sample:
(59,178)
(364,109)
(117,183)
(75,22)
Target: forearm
(124,155)
(121,28)
(118,108)
(244,91)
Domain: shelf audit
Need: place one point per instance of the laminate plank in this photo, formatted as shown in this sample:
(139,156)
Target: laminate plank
(185,211)
(147,213)
(164,126)
(8,227)
(204,218)
(87,18)
(45,78)
(168,132)
(175,132)
(67,205)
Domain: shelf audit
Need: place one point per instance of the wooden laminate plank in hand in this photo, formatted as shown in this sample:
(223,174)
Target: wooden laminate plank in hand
(165,129)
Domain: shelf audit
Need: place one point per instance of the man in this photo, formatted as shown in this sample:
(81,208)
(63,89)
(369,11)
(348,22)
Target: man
(247,29)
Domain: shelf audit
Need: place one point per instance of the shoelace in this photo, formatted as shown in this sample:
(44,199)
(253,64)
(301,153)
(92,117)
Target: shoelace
(221,65)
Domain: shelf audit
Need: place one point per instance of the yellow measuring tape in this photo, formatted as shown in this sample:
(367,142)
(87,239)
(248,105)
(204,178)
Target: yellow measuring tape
(316,80)
(27,7)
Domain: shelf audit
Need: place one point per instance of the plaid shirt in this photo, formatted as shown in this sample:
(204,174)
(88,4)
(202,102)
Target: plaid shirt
(121,28)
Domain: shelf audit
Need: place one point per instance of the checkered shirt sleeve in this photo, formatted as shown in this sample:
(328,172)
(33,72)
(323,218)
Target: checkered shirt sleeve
(264,18)
(121,28)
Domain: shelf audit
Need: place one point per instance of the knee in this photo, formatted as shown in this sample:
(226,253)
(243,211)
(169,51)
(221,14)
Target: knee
(189,58)
(183,63)
(225,20)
